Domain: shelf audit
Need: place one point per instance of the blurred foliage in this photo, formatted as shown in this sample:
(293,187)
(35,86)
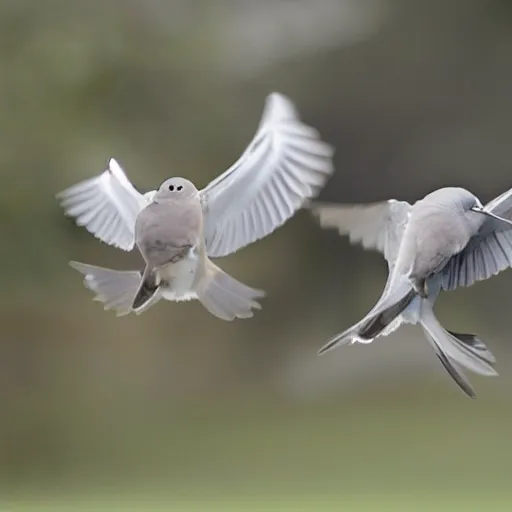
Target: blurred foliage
(418,100)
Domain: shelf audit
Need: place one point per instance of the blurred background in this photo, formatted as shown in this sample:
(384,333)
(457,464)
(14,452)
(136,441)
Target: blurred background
(174,409)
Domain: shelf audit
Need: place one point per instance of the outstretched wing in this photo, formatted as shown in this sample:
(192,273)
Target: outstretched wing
(488,252)
(285,164)
(378,226)
(106,205)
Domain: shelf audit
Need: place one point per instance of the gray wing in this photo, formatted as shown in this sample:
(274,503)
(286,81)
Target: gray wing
(488,252)
(285,164)
(378,226)
(106,205)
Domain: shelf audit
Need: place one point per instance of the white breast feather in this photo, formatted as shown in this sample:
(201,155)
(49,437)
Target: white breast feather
(181,277)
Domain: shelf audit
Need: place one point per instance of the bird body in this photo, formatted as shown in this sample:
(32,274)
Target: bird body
(166,231)
(438,227)
(169,235)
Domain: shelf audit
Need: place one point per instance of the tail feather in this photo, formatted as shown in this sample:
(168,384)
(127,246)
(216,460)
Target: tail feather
(463,353)
(343,338)
(114,288)
(224,296)
(382,319)
(454,349)
(476,345)
(460,379)
(148,287)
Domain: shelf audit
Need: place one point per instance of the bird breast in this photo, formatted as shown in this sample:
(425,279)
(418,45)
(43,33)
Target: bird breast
(178,279)
(165,231)
(430,240)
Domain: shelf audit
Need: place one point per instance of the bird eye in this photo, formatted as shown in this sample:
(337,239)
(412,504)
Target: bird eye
(171,188)
(179,188)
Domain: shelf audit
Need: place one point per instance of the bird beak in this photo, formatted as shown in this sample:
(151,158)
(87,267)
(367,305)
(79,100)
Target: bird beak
(479,209)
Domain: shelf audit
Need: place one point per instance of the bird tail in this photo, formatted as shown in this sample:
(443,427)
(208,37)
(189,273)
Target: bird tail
(147,290)
(382,319)
(224,296)
(454,349)
(114,288)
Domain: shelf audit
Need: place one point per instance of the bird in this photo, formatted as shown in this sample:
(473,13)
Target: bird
(178,229)
(444,241)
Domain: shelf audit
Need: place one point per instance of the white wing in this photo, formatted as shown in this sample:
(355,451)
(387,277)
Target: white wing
(378,226)
(488,252)
(107,206)
(285,164)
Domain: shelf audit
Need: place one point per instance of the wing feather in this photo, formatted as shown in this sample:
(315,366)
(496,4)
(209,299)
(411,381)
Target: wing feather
(285,164)
(488,252)
(378,226)
(106,205)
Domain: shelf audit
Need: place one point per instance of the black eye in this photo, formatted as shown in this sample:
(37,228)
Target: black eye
(179,188)
(171,188)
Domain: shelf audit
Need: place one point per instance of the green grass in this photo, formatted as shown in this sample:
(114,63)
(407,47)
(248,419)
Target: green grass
(396,450)
(464,502)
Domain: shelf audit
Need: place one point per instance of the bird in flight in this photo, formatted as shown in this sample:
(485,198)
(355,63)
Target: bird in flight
(445,240)
(179,228)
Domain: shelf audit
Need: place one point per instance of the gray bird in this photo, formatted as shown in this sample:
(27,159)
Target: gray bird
(445,240)
(178,229)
